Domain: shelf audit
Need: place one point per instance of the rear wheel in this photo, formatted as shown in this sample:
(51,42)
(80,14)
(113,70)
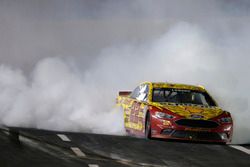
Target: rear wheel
(148,126)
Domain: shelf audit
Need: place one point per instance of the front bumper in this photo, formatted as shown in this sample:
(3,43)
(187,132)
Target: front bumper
(167,129)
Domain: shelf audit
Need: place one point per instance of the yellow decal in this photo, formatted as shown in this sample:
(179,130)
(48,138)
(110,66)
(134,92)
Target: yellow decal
(189,111)
(166,122)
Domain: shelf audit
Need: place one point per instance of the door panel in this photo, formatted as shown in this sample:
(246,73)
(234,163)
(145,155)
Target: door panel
(134,114)
(137,109)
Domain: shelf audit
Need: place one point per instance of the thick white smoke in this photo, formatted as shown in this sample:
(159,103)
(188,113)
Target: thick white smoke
(55,98)
(59,96)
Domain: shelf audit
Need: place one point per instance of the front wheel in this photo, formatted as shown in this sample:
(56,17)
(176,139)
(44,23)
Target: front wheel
(148,127)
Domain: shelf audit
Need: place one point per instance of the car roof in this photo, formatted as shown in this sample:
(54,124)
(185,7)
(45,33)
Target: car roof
(176,86)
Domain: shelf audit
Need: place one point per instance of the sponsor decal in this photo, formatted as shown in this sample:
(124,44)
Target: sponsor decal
(166,122)
(196,116)
(197,129)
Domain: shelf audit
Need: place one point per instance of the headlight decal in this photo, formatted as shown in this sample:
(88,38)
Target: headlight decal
(226,120)
(163,115)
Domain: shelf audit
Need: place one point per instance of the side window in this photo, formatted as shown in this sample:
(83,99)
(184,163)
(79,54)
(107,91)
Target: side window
(143,93)
(135,93)
(158,95)
(140,93)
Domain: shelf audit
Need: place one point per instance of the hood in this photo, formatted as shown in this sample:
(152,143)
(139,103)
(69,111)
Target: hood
(193,111)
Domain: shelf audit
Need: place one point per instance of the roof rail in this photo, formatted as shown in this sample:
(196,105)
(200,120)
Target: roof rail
(201,86)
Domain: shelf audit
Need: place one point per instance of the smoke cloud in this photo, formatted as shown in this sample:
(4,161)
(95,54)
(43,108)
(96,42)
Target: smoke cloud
(66,75)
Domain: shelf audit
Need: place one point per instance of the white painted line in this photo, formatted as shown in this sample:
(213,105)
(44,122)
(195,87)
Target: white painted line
(63,137)
(243,149)
(4,128)
(78,152)
(6,132)
(93,165)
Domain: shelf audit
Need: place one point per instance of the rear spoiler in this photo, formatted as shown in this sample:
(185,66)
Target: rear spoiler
(124,93)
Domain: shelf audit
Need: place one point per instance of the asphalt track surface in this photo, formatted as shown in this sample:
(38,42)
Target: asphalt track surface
(24,147)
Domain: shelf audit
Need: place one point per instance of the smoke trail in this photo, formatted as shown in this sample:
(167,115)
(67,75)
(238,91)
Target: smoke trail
(55,98)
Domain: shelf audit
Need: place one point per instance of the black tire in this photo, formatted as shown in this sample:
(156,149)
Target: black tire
(148,126)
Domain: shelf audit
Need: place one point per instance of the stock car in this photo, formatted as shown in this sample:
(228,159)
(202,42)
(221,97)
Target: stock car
(174,111)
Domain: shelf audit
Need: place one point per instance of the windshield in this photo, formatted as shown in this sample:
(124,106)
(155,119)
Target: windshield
(182,96)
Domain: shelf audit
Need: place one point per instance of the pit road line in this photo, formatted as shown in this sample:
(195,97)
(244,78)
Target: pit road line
(63,137)
(93,165)
(243,149)
(78,152)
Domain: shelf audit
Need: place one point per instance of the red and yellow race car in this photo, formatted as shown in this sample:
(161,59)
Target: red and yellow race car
(174,111)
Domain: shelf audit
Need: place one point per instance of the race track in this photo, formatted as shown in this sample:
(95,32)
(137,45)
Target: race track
(24,147)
